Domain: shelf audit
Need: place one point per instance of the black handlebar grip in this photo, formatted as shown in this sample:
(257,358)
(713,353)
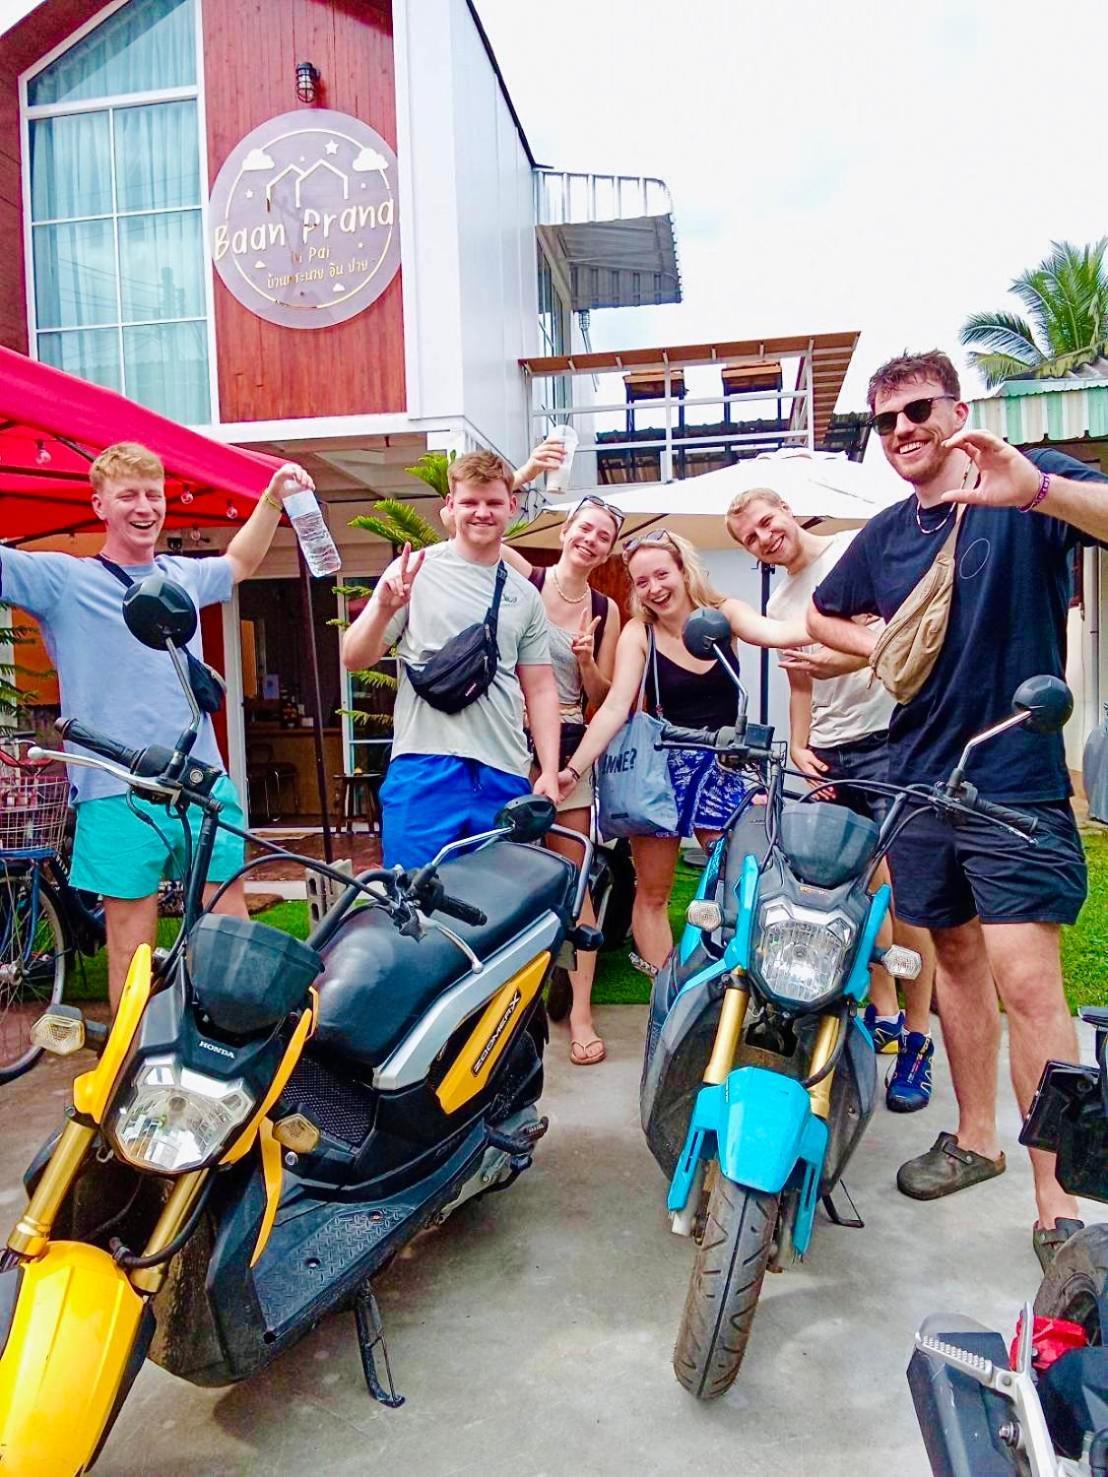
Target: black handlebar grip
(453,907)
(673,734)
(88,738)
(1018,819)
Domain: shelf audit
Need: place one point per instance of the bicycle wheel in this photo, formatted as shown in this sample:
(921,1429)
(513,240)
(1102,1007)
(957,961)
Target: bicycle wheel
(33,954)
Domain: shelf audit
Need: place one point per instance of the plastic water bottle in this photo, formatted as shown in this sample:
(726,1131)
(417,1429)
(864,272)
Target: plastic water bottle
(312,533)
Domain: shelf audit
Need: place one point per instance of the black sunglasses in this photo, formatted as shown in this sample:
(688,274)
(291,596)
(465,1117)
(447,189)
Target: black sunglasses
(917,412)
(656,536)
(615,514)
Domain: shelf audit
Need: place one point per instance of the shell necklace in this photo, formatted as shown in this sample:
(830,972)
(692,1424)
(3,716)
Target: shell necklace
(569,599)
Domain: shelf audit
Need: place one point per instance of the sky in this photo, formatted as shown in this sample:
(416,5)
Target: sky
(881,165)
(834,164)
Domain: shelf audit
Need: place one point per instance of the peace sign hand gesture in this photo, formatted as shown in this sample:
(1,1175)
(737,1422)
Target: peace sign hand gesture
(1005,477)
(395,589)
(582,640)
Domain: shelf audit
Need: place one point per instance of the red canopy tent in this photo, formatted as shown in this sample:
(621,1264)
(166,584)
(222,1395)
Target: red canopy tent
(52,425)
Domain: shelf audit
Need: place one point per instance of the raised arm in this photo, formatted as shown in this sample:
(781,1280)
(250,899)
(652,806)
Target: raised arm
(761,630)
(250,545)
(1008,479)
(366,641)
(597,668)
(616,708)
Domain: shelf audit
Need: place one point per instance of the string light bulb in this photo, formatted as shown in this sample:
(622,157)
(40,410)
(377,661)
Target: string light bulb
(232,513)
(42,456)
(187,496)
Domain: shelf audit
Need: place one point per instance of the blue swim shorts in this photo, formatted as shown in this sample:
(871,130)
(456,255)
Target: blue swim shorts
(125,846)
(429,800)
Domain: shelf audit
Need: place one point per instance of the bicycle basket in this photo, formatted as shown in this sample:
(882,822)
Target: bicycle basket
(34,802)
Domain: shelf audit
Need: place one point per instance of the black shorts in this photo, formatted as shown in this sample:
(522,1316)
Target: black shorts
(945,874)
(863,759)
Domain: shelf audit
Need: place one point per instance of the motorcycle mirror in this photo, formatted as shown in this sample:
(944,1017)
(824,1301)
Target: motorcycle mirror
(159,613)
(704,630)
(1047,701)
(527,818)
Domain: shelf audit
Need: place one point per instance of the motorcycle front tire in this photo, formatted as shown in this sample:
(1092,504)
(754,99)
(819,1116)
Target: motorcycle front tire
(1076,1281)
(726,1283)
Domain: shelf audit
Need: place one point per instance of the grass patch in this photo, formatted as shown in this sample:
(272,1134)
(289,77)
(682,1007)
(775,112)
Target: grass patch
(1084,946)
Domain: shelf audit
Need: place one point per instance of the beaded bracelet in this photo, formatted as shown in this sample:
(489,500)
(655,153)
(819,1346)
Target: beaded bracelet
(1044,488)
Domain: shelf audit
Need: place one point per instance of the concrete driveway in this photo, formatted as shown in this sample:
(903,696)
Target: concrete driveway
(532,1334)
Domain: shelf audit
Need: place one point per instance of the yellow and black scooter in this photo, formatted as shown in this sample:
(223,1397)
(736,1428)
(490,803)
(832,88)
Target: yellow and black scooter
(270,1121)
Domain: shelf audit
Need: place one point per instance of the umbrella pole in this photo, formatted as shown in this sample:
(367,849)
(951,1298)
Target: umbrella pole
(317,706)
(763,696)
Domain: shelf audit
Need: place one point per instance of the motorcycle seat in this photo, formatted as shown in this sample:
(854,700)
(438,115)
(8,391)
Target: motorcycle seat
(376,983)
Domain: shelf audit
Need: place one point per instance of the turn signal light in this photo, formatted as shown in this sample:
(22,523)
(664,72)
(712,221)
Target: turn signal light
(704,915)
(902,963)
(297,1133)
(61,1030)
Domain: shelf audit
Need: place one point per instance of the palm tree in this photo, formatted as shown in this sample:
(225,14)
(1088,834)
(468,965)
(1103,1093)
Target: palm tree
(1066,298)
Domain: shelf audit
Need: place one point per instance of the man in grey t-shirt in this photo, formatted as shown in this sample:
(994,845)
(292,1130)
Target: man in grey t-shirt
(451,773)
(122,689)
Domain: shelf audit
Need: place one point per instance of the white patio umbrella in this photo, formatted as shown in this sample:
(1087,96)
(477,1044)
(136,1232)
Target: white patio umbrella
(823,489)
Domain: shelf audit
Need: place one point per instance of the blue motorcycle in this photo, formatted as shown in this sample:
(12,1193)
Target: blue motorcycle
(764,988)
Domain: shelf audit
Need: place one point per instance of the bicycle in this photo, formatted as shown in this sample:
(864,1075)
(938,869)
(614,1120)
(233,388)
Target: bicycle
(43,919)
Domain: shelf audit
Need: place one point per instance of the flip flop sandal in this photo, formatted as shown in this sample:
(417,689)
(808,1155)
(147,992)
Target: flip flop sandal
(945,1169)
(581,1054)
(1047,1241)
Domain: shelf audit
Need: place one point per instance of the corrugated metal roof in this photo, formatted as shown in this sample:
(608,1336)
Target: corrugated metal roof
(1045,410)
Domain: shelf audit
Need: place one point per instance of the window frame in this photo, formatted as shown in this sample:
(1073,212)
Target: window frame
(110,105)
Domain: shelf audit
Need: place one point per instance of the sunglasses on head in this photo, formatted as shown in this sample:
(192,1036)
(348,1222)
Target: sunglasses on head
(917,412)
(590,498)
(656,536)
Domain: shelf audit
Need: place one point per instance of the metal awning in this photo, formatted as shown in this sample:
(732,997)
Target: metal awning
(612,237)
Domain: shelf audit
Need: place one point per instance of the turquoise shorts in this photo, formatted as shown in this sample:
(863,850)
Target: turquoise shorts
(117,853)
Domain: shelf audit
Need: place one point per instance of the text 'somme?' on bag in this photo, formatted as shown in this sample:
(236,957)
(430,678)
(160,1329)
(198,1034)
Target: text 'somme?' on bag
(635,794)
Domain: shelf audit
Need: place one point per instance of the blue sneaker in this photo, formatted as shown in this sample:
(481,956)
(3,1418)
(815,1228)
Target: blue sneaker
(886,1037)
(908,1085)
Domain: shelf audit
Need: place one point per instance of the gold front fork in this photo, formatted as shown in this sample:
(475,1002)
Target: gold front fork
(174,1214)
(32,1232)
(827,1039)
(731,1017)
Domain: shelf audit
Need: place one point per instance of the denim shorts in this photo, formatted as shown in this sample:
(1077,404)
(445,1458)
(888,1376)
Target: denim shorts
(124,846)
(945,874)
(863,759)
(707,795)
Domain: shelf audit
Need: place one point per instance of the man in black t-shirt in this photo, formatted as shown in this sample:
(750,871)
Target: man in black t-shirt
(993,903)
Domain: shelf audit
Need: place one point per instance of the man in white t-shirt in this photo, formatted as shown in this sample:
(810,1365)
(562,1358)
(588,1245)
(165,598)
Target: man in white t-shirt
(451,773)
(838,727)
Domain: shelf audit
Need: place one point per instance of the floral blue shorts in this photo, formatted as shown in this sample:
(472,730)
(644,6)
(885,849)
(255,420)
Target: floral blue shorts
(706,794)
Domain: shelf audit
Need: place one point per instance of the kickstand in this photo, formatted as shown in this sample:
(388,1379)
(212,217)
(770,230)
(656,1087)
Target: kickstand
(857,1224)
(367,1319)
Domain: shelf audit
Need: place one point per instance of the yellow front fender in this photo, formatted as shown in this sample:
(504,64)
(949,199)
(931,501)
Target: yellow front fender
(76,1331)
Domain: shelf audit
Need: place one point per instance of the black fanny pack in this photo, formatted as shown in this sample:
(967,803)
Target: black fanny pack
(462,671)
(208,687)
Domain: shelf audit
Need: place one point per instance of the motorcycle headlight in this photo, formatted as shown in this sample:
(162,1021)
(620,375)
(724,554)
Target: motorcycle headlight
(174,1119)
(800,952)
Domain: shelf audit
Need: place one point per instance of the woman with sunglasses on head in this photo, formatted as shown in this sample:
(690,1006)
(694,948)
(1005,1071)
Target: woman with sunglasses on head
(668,582)
(584,630)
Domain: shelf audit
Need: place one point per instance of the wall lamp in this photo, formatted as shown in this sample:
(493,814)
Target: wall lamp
(307,82)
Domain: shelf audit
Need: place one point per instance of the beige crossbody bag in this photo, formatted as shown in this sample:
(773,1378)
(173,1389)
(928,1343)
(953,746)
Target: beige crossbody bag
(909,646)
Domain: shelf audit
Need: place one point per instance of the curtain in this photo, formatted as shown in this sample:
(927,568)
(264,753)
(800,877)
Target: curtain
(161,266)
(157,156)
(166,368)
(71,166)
(146,46)
(92,353)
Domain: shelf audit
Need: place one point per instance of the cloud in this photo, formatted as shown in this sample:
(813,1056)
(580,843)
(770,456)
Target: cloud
(257,159)
(369,159)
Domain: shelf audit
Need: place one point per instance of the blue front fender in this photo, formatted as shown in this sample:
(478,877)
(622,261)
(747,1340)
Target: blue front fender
(761,1127)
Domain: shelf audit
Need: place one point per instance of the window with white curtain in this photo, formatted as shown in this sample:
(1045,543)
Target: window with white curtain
(117,250)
